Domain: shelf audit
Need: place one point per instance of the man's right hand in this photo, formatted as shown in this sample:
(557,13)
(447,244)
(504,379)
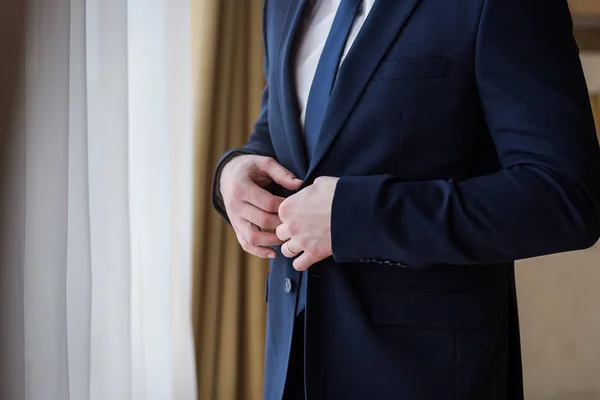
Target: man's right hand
(251,208)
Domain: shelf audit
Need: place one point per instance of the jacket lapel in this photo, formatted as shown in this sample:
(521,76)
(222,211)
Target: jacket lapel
(287,92)
(384,23)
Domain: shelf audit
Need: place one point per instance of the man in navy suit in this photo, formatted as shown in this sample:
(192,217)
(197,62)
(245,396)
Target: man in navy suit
(406,154)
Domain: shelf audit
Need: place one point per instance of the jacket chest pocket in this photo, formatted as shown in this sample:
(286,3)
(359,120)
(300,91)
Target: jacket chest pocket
(412,68)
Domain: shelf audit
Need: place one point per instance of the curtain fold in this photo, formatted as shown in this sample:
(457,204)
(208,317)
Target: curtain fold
(12,213)
(229,312)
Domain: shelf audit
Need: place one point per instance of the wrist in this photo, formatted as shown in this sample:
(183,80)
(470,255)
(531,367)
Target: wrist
(228,165)
(217,197)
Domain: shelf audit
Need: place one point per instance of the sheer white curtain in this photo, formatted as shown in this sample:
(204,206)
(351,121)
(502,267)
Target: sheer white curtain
(98,205)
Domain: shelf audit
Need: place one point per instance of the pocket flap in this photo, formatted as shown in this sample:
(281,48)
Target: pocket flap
(443,308)
(413,68)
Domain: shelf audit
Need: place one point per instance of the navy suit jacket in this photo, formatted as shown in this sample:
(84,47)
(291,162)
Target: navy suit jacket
(463,135)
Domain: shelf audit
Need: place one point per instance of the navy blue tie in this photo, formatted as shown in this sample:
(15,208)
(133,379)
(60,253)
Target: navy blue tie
(321,89)
(322,85)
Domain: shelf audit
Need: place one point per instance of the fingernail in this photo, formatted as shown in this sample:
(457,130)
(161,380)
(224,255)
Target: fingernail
(271,256)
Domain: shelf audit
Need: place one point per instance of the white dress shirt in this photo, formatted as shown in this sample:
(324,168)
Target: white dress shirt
(314,31)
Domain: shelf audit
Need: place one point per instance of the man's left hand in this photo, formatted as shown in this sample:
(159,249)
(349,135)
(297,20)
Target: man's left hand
(306,223)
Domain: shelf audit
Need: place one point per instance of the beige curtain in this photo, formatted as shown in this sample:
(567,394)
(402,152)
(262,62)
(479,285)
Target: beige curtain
(596,108)
(228,289)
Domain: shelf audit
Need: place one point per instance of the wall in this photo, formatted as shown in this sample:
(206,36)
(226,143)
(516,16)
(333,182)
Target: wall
(559,308)
(559,300)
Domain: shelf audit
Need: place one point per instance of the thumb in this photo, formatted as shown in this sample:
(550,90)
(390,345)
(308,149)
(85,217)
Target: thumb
(280,175)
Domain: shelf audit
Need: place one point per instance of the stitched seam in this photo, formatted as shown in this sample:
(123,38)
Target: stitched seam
(456,380)
(478,31)
(400,142)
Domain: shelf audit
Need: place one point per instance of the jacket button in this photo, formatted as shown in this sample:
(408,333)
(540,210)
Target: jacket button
(287,285)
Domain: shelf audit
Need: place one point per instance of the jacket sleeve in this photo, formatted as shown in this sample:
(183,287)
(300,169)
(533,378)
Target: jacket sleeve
(544,200)
(259,142)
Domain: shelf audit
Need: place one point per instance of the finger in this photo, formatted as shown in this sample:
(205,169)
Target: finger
(283,232)
(262,199)
(290,250)
(253,236)
(262,252)
(279,174)
(260,218)
(304,262)
(259,251)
